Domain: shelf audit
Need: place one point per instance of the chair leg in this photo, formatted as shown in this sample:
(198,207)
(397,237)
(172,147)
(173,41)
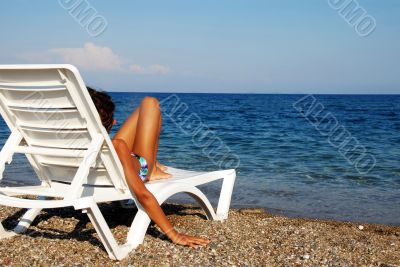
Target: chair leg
(138,228)
(114,251)
(24,223)
(26,220)
(202,200)
(225,197)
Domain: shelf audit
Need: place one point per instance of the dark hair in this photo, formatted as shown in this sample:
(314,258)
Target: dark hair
(104,105)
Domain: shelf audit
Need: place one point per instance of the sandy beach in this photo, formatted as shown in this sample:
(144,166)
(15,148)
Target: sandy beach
(250,237)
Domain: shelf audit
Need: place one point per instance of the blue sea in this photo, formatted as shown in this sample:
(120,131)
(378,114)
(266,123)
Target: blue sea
(284,163)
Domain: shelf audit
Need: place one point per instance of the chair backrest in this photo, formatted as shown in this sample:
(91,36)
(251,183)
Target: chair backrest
(51,108)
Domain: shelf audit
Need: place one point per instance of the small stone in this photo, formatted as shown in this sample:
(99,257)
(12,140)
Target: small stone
(292,256)
(360,227)
(6,261)
(306,257)
(213,246)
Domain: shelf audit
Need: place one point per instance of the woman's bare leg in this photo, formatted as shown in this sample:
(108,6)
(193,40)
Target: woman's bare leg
(127,132)
(158,164)
(147,136)
(141,133)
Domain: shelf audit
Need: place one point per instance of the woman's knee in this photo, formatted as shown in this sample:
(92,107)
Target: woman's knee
(119,144)
(151,102)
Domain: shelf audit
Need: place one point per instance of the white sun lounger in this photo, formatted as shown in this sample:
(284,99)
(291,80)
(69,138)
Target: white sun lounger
(54,122)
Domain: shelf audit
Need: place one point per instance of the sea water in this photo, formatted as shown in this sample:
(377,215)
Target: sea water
(284,164)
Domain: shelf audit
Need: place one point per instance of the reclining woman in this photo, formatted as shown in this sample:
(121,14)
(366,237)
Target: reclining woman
(136,144)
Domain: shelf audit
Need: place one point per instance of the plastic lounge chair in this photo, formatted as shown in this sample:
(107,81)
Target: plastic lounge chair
(54,122)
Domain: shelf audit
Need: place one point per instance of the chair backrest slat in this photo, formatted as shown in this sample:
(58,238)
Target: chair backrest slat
(57,138)
(34,96)
(49,118)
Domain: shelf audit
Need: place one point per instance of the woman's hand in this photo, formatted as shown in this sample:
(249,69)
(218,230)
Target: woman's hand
(187,240)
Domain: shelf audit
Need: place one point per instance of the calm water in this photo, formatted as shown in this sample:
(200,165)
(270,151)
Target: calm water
(286,165)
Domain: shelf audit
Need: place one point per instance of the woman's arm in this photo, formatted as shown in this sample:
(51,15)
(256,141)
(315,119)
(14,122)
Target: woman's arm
(148,201)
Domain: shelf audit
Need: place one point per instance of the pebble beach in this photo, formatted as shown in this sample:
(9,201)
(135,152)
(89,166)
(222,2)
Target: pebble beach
(250,237)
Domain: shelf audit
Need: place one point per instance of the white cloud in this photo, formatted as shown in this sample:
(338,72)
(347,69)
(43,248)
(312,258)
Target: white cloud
(152,69)
(93,57)
(136,69)
(90,57)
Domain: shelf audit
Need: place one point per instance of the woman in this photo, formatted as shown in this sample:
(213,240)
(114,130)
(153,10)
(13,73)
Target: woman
(136,144)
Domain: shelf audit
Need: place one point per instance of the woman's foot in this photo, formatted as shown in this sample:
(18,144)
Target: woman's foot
(161,166)
(158,174)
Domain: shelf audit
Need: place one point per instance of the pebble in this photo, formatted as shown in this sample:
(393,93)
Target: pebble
(213,246)
(306,257)
(360,227)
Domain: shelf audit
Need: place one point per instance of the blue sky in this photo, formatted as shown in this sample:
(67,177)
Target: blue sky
(281,46)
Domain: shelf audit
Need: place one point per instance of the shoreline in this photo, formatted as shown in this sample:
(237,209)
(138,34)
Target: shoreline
(249,237)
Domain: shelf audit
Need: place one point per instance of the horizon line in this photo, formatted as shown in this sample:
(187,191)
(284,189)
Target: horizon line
(253,93)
